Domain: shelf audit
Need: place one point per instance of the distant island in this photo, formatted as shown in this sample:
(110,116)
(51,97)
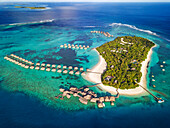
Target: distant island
(123,64)
(31,7)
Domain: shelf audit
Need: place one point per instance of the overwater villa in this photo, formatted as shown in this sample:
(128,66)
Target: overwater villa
(86,95)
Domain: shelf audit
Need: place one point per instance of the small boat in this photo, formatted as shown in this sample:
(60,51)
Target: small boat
(160,100)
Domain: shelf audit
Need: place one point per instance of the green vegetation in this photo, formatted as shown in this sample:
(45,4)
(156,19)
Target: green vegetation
(30,7)
(123,60)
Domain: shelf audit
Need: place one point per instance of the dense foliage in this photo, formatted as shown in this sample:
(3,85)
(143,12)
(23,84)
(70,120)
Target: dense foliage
(124,61)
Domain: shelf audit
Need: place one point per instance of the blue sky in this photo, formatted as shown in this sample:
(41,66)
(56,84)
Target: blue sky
(85,0)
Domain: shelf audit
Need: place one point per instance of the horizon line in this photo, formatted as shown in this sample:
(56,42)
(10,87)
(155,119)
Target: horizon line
(84,2)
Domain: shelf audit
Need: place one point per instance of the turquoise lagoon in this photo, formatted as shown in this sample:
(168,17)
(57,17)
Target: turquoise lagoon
(28,96)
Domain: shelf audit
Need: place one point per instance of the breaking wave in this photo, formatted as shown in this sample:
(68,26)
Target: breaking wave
(34,22)
(138,29)
(134,27)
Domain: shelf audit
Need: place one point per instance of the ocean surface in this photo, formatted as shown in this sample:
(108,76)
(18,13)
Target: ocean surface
(27,97)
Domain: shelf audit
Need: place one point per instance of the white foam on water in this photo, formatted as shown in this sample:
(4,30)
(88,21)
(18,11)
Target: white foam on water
(34,22)
(138,29)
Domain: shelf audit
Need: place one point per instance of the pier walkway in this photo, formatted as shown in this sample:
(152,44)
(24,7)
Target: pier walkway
(46,67)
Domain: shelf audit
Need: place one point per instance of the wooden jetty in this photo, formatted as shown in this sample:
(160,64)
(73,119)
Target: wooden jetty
(159,100)
(46,67)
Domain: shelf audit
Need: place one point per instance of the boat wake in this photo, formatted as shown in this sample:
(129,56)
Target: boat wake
(138,29)
(34,22)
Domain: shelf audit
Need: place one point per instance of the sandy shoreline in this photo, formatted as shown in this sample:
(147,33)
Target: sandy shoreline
(101,66)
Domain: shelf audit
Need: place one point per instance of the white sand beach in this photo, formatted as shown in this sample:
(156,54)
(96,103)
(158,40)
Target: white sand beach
(101,66)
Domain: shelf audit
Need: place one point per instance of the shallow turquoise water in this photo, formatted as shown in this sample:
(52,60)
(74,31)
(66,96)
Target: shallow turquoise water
(27,96)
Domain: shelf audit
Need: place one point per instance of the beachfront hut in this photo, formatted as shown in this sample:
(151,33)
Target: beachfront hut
(106,99)
(53,70)
(16,62)
(90,92)
(59,71)
(31,67)
(68,96)
(152,75)
(19,64)
(48,65)
(65,71)
(163,70)
(61,46)
(81,47)
(13,61)
(161,66)
(75,94)
(30,62)
(70,67)
(77,73)
(95,95)
(38,64)
(37,68)
(83,73)
(81,69)
(101,105)
(112,98)
(22,65)
(73,89)
(75,68)
(48,69)
(83,93)
(77,47)
(112,103)
(26,67)
(69,46)
(59,66)
(101,99)
(87,46)
(83,100)
(71,72)
(64,67)
(65,93)
(12,54)
(65,46)
(43,64)
(86,89)
(61,89)
(94,100)
(88,97)
(53,66)
(72,45)
(5,57)
(43,68)
(26,61)
(164,62)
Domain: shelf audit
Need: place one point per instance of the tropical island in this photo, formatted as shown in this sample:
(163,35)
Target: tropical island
(123,65)
(31,7)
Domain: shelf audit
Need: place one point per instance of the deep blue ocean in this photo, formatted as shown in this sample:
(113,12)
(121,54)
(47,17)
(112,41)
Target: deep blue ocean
(27,96)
